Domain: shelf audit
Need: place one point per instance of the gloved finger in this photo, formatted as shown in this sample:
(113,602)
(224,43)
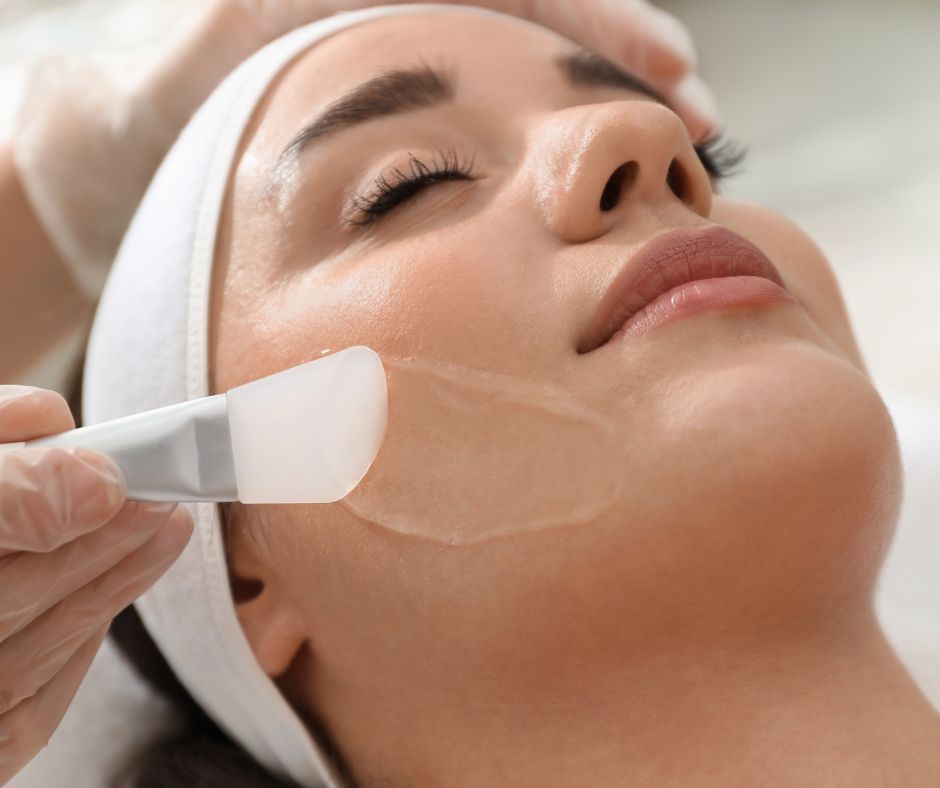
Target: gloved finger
(27,413)
(35,582)
(85,151)
(695,103)
(25,730)
(30,658)
(650,43)
(51,495)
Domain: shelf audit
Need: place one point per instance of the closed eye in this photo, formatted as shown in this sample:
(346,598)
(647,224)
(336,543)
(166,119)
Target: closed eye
(397,187)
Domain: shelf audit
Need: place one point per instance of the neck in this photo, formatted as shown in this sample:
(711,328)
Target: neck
(811,711)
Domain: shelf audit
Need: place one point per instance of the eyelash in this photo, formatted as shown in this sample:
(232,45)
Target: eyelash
(397,187)
(719,155)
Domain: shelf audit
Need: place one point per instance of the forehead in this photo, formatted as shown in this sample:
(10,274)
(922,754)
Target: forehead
(488,54)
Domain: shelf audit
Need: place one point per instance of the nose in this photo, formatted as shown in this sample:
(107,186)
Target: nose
(597,164)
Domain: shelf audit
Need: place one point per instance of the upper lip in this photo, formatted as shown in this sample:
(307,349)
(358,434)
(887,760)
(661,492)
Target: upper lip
(667,261)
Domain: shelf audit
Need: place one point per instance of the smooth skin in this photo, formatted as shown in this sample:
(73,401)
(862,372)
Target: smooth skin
(713,628)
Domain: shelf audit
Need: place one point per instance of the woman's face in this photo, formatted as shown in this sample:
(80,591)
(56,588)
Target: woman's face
(754,469)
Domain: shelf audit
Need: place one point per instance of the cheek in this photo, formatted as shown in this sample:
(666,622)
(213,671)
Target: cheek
(443,295)
(461,298)
(789,476)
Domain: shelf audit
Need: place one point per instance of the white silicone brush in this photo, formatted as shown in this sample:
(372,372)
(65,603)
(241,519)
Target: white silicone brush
(305,435)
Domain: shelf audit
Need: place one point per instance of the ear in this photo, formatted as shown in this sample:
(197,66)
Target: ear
(270,621)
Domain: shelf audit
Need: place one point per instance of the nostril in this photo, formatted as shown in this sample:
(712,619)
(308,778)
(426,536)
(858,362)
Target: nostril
(675,179)
(615,185)
(611,194)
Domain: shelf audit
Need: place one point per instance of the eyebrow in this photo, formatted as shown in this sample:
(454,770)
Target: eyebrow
(584,68)
(390,93)
(402,90)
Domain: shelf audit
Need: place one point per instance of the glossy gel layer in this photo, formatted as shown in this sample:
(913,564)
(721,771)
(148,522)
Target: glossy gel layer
(471,455)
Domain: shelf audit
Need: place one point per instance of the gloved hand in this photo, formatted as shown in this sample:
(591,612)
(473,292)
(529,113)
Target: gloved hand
(73,554)
(649,42)
(86,148)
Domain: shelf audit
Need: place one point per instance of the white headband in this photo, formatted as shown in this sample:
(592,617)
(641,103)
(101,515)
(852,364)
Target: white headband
(149,348)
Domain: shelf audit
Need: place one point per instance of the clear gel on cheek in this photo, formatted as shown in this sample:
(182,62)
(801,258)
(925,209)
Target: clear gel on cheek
(471,455)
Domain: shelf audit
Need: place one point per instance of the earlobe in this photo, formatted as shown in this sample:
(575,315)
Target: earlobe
(268,618)
(272,631)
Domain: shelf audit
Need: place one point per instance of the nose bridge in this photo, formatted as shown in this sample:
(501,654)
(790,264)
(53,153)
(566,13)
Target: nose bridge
(594,163)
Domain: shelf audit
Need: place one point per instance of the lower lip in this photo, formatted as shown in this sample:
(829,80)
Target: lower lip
(702,295)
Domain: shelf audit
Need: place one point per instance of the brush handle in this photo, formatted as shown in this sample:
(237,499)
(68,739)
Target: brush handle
(181,452)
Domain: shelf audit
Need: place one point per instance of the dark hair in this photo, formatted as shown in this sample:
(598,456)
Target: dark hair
(201,754)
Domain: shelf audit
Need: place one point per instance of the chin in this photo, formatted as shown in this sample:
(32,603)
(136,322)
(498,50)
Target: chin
(811,469)
(760,495)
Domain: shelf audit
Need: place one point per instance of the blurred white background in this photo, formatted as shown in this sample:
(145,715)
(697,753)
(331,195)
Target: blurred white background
(838,103)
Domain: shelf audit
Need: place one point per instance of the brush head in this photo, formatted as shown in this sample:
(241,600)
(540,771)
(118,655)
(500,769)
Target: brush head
(309,434)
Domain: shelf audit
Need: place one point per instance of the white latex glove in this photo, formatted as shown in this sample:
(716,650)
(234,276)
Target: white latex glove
(650,43)
(86,148)
(72,556)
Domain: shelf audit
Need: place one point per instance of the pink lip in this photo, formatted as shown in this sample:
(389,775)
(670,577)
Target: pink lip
(683,272)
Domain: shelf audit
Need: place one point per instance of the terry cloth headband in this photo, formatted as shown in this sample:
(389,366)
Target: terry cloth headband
(149,348)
